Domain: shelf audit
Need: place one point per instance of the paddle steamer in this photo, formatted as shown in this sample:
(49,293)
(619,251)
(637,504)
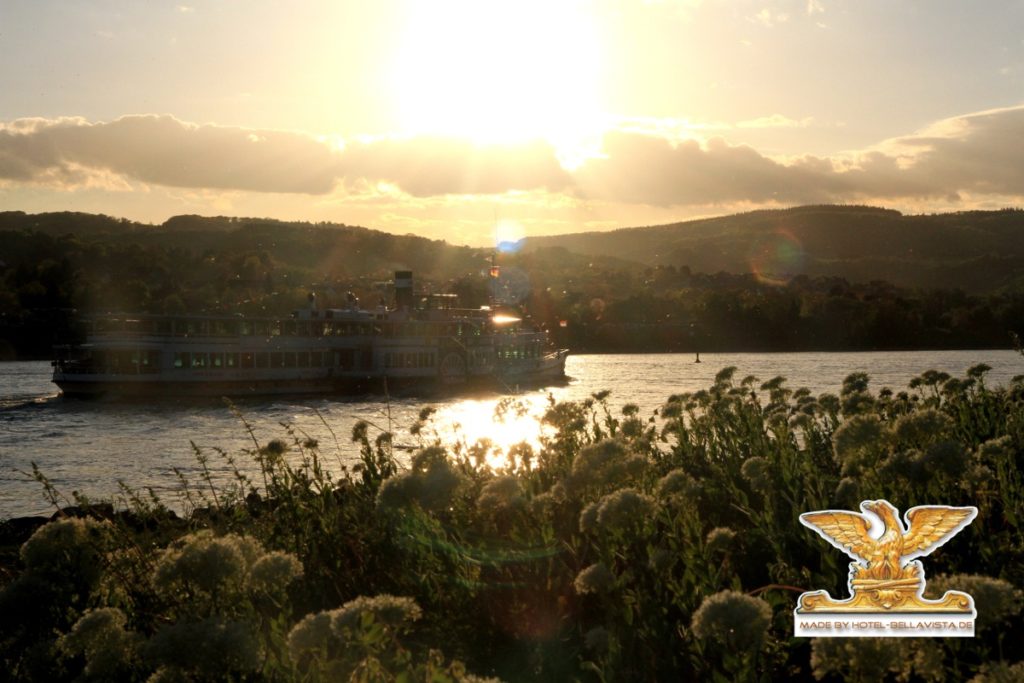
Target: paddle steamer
(421,343)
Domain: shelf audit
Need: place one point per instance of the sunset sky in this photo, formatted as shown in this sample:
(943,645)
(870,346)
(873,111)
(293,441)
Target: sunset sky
(457,119)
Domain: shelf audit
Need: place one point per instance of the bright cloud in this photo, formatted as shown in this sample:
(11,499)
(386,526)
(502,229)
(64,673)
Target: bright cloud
(976,158)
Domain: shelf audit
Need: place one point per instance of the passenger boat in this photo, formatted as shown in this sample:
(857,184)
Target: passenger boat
(422,343)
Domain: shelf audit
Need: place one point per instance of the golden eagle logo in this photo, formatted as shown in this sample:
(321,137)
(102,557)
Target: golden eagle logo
(886,575)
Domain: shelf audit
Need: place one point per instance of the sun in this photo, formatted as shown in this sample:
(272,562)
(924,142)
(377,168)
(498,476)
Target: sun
(500,72)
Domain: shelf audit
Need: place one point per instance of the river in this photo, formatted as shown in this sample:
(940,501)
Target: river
(89,446)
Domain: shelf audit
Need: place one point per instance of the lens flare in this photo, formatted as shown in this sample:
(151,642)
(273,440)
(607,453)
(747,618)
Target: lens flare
(777,258)
(509,237)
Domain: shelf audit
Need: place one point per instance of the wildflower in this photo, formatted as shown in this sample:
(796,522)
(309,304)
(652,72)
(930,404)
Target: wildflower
(757,471)
(274,571)
(398,492)
(863,659)
(929,662)
(501,496)
(829,403)
(855,382)
(387,610)
(312,636)
(99,635)
(1000,672)
(430,483)
(596,639)
(921,427)
(623,510)
(908,464)
(719,539)
(995,600)
(859,443)
(69,548)
(724,376)
(605,462)
(732,619)
(978,371)
(206,564)
(677,482)
(995,451)
(596,578)
(359,431)
(946,456)
(588,517)
(977,478)
(858,402)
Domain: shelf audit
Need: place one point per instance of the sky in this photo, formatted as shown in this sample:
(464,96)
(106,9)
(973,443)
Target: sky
(478,121)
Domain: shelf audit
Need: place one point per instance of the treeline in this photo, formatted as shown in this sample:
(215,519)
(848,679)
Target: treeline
(975,250)
(675,310)
(55,267)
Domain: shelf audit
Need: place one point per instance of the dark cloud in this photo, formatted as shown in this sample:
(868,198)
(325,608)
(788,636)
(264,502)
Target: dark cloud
(976,154)
(651,170)
(164,151)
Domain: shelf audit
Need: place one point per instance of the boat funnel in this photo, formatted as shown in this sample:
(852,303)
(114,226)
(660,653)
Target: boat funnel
(403,289)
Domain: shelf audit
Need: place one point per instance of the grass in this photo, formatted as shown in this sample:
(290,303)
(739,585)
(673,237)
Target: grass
(625,547)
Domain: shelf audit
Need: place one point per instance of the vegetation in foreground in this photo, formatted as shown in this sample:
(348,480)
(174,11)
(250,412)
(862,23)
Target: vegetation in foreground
(622,549)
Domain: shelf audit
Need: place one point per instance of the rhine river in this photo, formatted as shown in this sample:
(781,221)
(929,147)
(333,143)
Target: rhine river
(89,446)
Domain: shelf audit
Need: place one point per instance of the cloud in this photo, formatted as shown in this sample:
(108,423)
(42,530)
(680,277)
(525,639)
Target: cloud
(976,154)
(162,150)
(961,161)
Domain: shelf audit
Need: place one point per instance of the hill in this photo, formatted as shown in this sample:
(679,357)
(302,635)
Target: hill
(977,251)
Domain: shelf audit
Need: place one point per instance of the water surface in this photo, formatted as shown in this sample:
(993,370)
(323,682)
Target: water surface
(88,446)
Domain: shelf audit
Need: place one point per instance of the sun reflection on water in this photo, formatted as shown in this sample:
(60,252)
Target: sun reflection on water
(503,423)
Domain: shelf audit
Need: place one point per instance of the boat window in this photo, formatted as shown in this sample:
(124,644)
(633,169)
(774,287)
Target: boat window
(288,328)
(261,360)
(302,329)
(317,329)
(231,360)
(262,328)
(248,360)
(245,328)
(276,359)
(275,328)
(199,360)
(289,359)
(346,359)
(302,358)
(216,360)
(316,359)
(162,327)
(182,360)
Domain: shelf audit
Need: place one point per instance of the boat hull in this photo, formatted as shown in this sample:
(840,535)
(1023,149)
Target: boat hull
(541,372)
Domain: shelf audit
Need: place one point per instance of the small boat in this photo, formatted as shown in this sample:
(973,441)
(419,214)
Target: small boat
(423,343)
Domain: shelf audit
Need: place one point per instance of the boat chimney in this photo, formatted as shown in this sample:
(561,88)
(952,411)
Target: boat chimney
(403,289)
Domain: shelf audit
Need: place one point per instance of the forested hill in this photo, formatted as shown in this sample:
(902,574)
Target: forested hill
(314,251)
(804,279)
(977,251)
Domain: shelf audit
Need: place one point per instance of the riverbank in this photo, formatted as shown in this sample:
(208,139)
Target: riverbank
(622,546)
